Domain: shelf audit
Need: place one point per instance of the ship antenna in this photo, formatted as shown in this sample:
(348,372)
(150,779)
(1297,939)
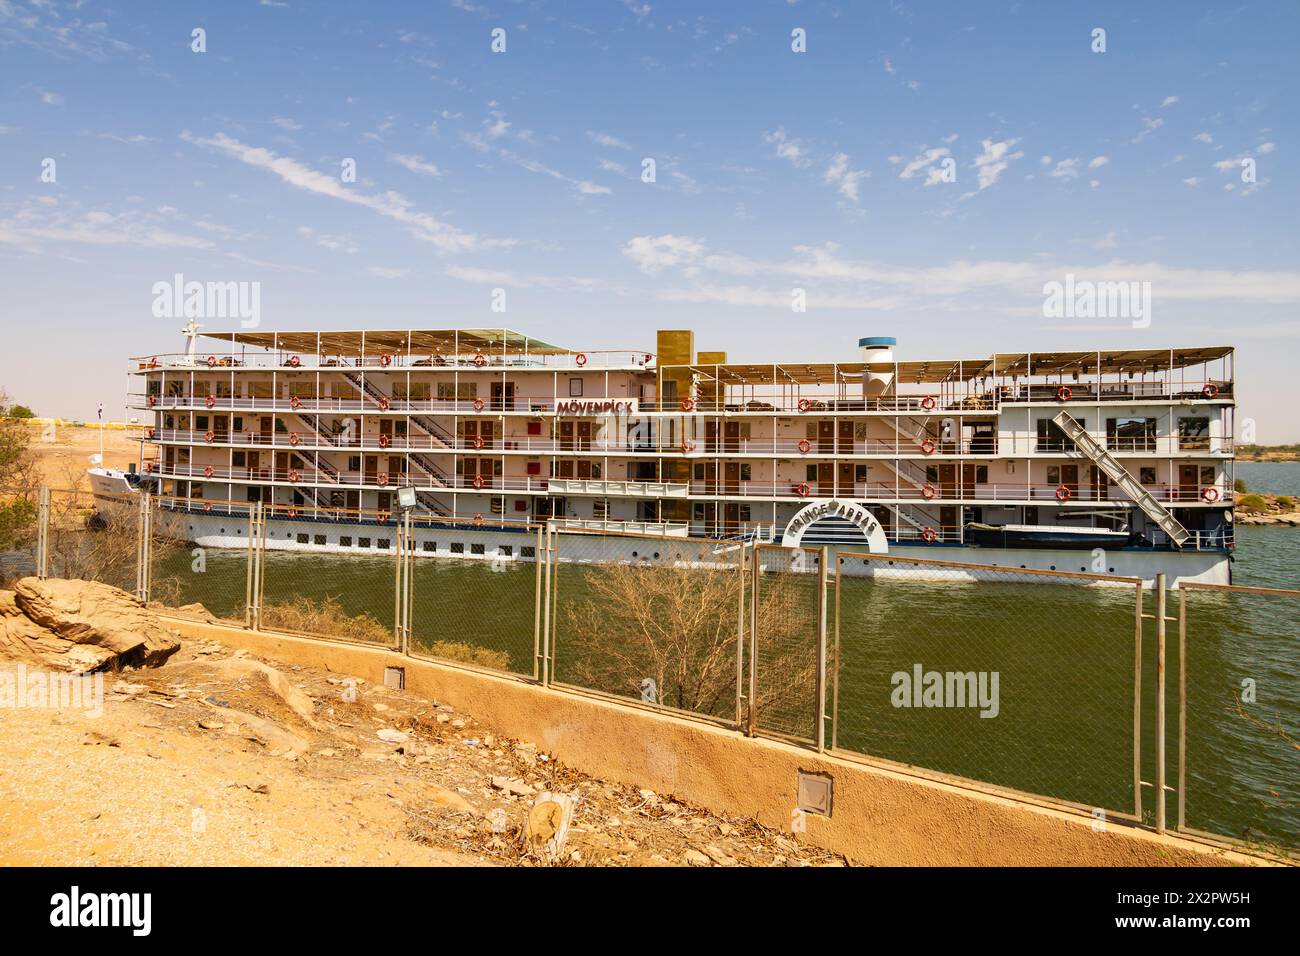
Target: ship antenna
(191,332)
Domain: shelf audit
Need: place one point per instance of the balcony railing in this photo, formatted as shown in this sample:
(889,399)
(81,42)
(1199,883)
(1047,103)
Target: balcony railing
(217,360)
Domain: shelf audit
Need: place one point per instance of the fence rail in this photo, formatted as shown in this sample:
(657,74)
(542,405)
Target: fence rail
(957,671)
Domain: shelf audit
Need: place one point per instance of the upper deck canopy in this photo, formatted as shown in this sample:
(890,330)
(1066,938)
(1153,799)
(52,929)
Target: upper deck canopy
(396,341)
(956,370)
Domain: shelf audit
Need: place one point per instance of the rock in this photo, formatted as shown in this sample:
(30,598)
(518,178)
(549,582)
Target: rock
(24,640)
(389,735)
(212,724)
(91,614)
(718,856)
(443,718)
(513,786)
(695,858)
(298,700)
(449,799)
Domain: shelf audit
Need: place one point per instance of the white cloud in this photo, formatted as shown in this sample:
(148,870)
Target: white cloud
(655,253)
(51,99)
(604,139)
(1169,101)
(1149,126)
(994,160)
(1203,138)
(286,123)
(392,205)
(1065,169)
(1193,180)
(1265,148)
(385,272)
(1098,161)
(925,160)
(787,148)
(415,164)
(839,174)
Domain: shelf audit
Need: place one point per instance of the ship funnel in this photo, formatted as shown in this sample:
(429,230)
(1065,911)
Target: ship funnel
(877,349)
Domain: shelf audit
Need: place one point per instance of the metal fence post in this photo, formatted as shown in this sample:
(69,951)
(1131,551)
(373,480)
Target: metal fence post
(751,722)
(1160,702)
(548,574)
(1182,707)
(248,568)
(835,674)
(1137,701)
(43,533)
(746,548)
(539,560)
(822,571)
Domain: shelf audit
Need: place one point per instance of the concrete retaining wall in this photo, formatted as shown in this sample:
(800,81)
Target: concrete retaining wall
(879,816)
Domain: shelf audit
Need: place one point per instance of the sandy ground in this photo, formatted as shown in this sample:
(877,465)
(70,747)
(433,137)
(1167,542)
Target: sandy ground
(201,762)
(64,452)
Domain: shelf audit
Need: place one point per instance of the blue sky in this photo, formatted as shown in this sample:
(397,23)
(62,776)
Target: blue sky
(775,170)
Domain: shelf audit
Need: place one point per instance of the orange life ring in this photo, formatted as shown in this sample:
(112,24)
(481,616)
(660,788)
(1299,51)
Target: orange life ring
(385,441)
(212,361)
(383,478)
(1210,493)
(1210,390)
(929,403)
(209,436)
(153,362)
(384,404)
(292,512)
(802,489)
(294,361)
(478,481)
(478,441)
(580,359)
(207,506)
(928,446)
(385,360)
(480,359)
(478,517)
(688,404)
(293,438)
(929,535)
(293,474)
(295,401)
(688,446)
(208,472)
(149,433)
(805,404)
(805,445)
(1064,393)
(649,358)
(478,404)
(153,400)
(210,401)
(1062,493)
(928,491)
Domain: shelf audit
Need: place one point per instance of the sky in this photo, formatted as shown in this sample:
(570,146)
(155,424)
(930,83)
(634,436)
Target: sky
(919,170)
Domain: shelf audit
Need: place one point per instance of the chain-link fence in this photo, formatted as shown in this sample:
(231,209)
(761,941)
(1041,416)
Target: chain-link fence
(475,595)
(1038,683)
(19,534)
(202,558)
(1238,726)
(788,643)
(1019,679)
(652,619)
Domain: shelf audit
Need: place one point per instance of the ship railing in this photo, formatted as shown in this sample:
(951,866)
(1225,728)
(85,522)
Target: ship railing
(1130,392)
(217,359)
(618,406)
(924,404)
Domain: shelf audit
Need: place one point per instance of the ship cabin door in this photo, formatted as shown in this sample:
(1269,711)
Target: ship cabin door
(266,428)
(479,433)
(711,436)
(386,432)
(825,479)
(968,481)
(503,396)
(1188,486)
(947,521)
(844,436)
(1070,478)
(566,435)
(707,472)
(731,478)
(947,481)
(281,465)
(1100,484)
(845,488)
(221,427)
(731,518)
(584,431)
(731,436)
(371,471)
(825,437)
(251,458)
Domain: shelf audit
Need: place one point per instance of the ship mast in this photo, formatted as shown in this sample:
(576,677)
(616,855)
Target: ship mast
(191,332)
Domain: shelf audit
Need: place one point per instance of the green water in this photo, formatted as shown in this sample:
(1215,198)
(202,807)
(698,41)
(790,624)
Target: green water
(1064,658)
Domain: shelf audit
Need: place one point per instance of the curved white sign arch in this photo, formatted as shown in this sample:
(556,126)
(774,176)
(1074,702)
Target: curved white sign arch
(872,532)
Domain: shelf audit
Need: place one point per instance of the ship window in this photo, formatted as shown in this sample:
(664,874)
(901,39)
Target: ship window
(810,472)
(600,508)
(1053,475)
(1193,433)
(506,551)
(363,542)
(354,463)
(431,546)
(457,547)
(318,539)
(302,539)
(1147,476)
(238,423)
(382,544)
(237,459)
(981,474)
(575,388)
(859,472)
(745,472)
(1051,438)
(1207,474)
(1131,434)
(345,541)
(201,422)
(527,551)
(476,549)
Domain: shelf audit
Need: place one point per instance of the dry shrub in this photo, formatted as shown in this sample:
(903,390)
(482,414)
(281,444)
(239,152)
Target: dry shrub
(469,654)
(677,625)
(326,617)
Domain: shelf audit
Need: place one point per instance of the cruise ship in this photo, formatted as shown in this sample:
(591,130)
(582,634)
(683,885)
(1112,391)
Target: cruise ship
(1118,462)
